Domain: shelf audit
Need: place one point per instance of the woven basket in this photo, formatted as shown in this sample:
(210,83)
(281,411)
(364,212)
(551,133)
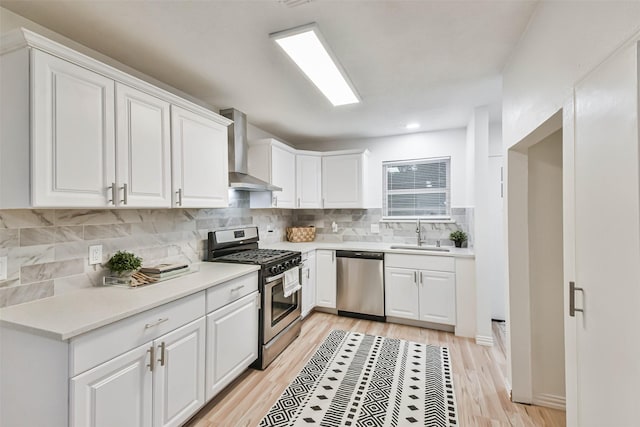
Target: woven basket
(301,234)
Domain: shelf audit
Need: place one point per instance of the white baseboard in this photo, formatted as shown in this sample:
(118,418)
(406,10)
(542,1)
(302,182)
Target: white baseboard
(549,401)
(484,340)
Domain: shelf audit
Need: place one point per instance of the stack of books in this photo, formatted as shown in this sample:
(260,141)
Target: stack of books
(164,271)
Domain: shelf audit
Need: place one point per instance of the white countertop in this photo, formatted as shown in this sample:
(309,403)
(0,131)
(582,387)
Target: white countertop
(68,315)
(368,246)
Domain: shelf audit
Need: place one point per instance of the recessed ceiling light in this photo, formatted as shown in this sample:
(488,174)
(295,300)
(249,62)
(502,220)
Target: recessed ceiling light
(410,126)
(308,49)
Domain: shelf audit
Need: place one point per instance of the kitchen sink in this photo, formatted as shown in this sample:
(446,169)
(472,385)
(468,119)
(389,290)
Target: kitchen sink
(420,248)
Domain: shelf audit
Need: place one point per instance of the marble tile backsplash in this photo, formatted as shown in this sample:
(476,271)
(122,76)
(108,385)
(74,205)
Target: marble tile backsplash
(355,225)
(47,250)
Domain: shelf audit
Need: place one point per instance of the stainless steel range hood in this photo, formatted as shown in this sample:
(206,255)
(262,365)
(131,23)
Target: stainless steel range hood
(239,179)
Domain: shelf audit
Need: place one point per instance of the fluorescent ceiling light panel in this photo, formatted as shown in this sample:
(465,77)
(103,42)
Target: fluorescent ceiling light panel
(306,47)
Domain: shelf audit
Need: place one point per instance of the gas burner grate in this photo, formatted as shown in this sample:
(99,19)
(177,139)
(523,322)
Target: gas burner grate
(256,256)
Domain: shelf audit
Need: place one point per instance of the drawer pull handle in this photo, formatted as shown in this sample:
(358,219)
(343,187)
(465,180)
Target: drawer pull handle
(237,288)
(156,323)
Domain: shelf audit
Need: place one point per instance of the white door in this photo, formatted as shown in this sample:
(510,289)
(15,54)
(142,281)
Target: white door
(178,384)
(607,245)
(116,393)
(326,278)
(401,293)
(200,173)
(143,140)
(342,181)
(283,174)
(437,297)
(232,341)
(72,134)
(309,182)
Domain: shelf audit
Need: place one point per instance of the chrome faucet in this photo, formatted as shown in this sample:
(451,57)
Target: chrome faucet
(419,232)
(437,243)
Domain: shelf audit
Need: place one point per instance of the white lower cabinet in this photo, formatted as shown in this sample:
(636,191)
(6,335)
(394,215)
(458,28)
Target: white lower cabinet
(401,293)
(178,382)
(115,393)
(119,392)
(308,281)
(413,293)
(156,368)
(326,278)
(232,341)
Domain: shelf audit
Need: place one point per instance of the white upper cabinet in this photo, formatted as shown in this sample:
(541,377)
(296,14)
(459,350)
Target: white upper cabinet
(79,133)
(344,183)
(73,135)
(308,181)
(200,166)
(274,162)
(143,142)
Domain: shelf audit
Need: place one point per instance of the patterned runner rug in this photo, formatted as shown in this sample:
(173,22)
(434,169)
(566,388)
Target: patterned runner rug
(357,380)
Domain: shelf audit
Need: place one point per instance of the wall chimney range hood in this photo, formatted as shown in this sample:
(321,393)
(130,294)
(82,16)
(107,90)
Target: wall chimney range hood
(239,179)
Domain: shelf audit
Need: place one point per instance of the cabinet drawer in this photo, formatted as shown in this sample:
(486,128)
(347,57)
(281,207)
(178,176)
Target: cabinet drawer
(95,347)
(225,293)
(420,262)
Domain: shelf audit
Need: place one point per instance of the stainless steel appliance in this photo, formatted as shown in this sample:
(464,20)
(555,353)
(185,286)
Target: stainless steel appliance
(239,178)
(361,284)
(279,314)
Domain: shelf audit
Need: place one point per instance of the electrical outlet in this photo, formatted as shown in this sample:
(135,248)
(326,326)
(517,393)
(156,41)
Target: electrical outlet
(95,254)
(3,268)
(375,228)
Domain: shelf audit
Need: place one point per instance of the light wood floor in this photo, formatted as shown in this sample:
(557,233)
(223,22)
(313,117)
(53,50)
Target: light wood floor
(479,374)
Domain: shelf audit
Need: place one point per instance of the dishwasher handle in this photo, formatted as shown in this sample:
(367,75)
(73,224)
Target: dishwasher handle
(360,254)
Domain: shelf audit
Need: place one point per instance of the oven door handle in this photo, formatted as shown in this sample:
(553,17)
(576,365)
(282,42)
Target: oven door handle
(274,278)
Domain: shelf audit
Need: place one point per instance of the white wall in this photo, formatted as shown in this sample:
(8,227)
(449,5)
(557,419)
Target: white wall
(478,142)
(564,41)
(546,270)
(413,146)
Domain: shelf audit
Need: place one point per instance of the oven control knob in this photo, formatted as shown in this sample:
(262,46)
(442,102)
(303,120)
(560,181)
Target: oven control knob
(280,268)
(273,270)
(287,265)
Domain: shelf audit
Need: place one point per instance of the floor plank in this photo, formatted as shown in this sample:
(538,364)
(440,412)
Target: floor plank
(479,378)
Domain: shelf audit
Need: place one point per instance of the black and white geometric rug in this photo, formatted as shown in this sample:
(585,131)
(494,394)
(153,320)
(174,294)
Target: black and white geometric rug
(357,380)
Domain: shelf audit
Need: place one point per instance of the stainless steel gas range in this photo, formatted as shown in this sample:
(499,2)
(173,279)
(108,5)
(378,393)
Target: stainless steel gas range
(279,314)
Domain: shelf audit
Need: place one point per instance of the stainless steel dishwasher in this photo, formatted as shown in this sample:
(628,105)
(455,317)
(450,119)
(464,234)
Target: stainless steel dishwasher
(361,284)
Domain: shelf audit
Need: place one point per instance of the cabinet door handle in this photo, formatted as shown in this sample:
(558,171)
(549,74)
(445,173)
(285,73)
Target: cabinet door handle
(572,299)
(156,323)
(179,193)
(258,302)
(298,201)
(275,201)
(152,358)
(323,202)
(333,256)
(113,189)
(415,277)
(162,353)
(124,194)
(308,273)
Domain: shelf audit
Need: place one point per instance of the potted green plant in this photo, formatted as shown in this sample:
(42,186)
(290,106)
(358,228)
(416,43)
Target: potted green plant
(124,263)
(458,237)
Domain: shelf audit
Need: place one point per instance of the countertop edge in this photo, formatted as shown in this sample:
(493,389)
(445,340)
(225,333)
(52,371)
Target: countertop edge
(68,334)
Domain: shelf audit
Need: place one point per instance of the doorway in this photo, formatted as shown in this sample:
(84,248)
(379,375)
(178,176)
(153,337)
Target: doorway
(535,260)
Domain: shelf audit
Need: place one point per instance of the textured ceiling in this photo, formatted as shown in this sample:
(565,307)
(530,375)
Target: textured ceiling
(424,61)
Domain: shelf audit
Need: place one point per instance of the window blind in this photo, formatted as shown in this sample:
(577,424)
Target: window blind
(417,189)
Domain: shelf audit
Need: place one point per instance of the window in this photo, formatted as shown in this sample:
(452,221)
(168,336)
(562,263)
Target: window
(417,189)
